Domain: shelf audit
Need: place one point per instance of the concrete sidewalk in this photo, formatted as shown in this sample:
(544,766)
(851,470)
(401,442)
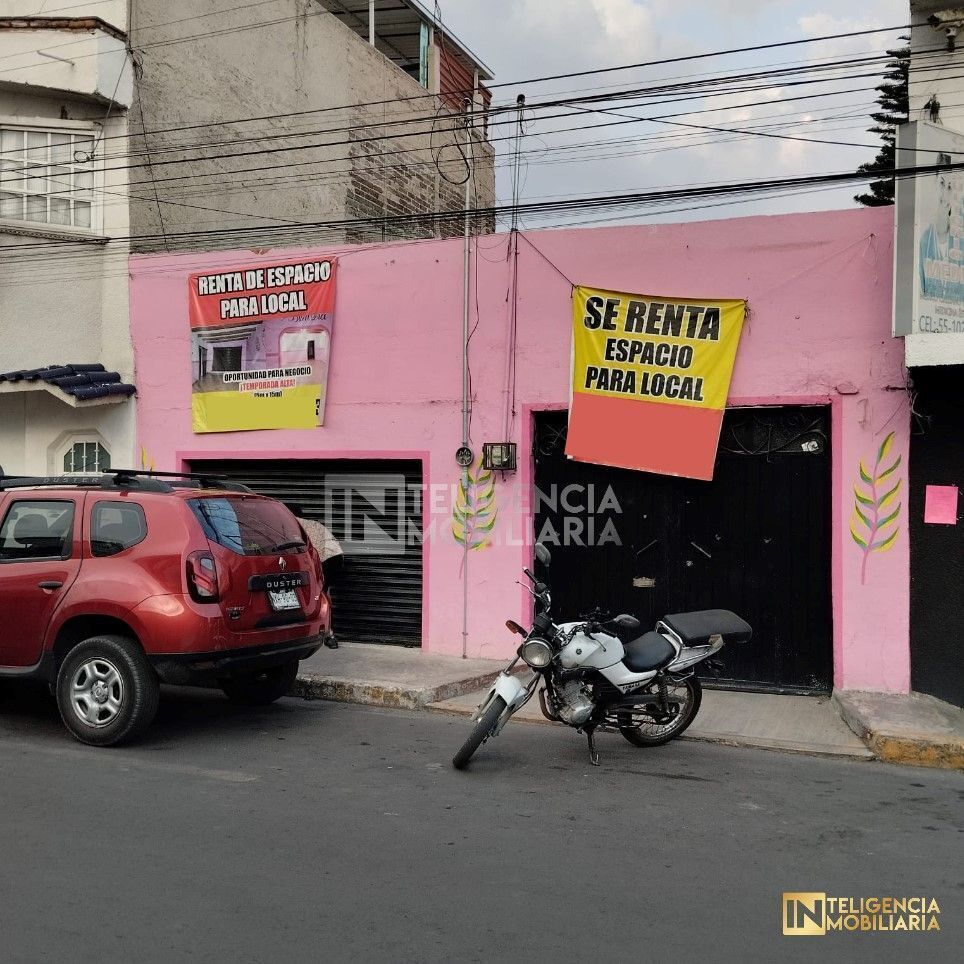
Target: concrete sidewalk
(912,728)
(906,727)
(390,675)
(801,724)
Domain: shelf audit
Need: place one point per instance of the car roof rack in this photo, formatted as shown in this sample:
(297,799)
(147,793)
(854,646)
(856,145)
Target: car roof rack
(204,480)
(124,479)
(102,480)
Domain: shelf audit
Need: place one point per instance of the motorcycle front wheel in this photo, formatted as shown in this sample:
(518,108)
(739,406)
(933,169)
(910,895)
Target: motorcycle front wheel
(639,727)
(480,733)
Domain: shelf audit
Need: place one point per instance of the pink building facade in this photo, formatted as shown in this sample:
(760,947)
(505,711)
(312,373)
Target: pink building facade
(817,334)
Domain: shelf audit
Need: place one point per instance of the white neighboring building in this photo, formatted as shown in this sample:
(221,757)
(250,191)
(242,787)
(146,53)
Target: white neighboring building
(65,87)
(77,137)
(930,209)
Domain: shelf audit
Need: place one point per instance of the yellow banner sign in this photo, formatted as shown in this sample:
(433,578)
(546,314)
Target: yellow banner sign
(650,378)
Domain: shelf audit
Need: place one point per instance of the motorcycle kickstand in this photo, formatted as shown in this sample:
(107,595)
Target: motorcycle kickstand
(593,752)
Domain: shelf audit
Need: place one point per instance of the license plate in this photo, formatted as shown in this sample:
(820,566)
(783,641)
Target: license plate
(282,599)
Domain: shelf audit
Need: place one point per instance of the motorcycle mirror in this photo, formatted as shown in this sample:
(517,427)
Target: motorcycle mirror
(627,622)
(514,627)
(543,554)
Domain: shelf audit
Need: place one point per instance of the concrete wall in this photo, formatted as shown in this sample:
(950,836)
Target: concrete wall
(67,300)
(818,288)
(36,430)
(12,433)
(93,63)
(293,73)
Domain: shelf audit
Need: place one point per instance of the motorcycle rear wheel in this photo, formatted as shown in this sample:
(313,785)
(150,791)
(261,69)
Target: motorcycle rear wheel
(480,733)
(656,734)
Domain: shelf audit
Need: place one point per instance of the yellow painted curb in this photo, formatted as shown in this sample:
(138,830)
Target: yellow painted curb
(922,753)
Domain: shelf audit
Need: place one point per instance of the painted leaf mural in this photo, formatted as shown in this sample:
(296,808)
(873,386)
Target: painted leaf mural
(475,511)
(874,525)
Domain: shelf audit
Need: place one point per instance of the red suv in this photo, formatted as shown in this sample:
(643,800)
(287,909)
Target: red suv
(112,584)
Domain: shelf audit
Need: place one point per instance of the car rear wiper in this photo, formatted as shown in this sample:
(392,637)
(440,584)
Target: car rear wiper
(293,544)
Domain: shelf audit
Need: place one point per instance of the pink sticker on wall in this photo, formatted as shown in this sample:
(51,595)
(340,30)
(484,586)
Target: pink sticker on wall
(940,504)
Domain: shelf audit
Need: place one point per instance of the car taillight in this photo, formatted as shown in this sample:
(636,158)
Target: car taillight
(202,577)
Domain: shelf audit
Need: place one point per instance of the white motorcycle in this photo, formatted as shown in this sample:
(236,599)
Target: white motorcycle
(645,688)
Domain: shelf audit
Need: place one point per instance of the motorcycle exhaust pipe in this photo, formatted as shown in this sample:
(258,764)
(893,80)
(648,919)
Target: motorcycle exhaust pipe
(646,699)
(545,708)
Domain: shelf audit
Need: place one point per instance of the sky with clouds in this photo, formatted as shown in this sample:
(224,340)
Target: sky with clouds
(520,39)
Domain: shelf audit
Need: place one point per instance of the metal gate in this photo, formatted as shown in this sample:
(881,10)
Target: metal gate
(755,540)
(374,509)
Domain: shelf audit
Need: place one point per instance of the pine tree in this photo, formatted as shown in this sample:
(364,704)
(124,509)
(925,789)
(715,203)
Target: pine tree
(894,108)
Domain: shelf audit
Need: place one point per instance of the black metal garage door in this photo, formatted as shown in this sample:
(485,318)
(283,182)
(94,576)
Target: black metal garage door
(755,540)
(374,509)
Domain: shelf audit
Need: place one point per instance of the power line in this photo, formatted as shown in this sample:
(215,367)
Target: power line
(330,178)
(490,141)
(716,85)
(423,118)
(395,101)
(528,81)
(565,130)
(570,102)
(595,202)
(581,73)
(393,153)
(412,134)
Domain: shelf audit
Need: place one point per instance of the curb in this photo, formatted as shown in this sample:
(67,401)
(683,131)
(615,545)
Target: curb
(311,686)
(919,753)
(905,750)
(695,735)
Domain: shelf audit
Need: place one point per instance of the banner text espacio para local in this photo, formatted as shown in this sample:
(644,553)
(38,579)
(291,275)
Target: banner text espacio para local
(661,320)
(257,279)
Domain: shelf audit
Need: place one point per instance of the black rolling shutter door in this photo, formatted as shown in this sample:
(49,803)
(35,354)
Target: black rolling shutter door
(374,509)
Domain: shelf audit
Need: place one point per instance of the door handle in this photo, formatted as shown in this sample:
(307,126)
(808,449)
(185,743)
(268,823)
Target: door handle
(49,584)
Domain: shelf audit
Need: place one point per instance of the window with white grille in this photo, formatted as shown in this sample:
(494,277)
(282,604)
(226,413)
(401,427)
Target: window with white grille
(86,458)
(47,177)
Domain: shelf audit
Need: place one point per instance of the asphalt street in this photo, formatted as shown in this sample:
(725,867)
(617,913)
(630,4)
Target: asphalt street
(312,831)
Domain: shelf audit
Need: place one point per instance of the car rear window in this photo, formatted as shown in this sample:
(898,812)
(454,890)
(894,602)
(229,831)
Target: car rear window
(116,526)
(249,527)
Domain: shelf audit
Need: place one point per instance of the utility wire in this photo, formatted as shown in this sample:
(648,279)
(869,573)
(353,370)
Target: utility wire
(694,90)
(529,81)
(873,55)
(595,202)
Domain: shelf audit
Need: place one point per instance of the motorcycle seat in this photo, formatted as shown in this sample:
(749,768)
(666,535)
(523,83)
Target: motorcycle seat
(650,651)
(695,628)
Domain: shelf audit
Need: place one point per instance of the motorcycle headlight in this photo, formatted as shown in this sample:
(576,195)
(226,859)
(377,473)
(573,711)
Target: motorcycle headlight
(536,652)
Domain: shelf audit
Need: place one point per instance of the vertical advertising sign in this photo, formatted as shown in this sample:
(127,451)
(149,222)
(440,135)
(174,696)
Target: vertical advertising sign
(929,239)
(650,378)
(260,345)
